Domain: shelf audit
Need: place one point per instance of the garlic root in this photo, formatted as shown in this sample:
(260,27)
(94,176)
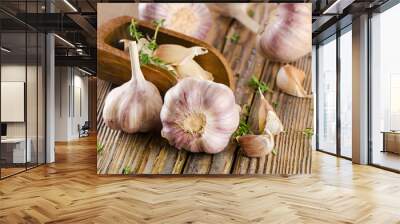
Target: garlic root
(134,106)
(289,80)
(199,115)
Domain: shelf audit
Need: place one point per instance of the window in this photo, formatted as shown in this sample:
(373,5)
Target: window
(346,93)
(327,96)
(385,89)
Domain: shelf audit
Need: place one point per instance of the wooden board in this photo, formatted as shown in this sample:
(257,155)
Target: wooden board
(151,154)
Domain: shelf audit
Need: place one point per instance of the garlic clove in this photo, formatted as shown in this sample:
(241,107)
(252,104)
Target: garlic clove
(134,106)
(237,11)
(182,58)
(289,80)
(199,115)
(190,68)
(267,118)
(192,19)
(287,33)
(257,145)
(175,54)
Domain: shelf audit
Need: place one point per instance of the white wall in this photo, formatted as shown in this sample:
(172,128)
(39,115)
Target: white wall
(69,82)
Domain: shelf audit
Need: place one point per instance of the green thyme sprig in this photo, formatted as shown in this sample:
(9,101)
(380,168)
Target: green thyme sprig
(259,85)
(146,57)
(99,148)
(243,129)
(153,44)
(308,132)
(133,30)
(275,104)
(251,13)
(126,170)
(235,38)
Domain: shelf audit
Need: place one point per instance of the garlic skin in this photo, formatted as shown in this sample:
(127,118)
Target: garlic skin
(182,58)
(192,19)
(134,106)
(289,79)
(287,33)
(199,115)
(237,11)
(257,145)
(268,120)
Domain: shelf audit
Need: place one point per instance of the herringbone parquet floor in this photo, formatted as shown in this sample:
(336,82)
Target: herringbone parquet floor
(69,191)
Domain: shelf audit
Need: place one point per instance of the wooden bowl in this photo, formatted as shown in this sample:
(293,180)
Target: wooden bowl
(114,64)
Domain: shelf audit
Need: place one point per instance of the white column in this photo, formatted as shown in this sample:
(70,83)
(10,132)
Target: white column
(360,90)
(50,99)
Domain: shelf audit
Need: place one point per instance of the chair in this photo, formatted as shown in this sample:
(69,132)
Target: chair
(84,130)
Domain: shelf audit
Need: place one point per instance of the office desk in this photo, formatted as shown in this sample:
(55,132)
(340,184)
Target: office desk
(391,141)
(13,150)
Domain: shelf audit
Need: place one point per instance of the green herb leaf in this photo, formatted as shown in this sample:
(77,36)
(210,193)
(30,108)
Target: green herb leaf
(99,148)
(144,58)
(274,152)
(133,31)
(275,104)
(152,45)
(250,13)
(126,170)
(157,24)
(235,38)
(308,132)
(257,85)
(246,110)
(243,129)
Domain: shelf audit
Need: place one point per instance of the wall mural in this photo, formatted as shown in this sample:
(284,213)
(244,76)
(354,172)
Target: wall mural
(195,88)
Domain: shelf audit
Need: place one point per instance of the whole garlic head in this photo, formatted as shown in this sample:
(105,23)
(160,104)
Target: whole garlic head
(199,115)
(134,106)
(287,34)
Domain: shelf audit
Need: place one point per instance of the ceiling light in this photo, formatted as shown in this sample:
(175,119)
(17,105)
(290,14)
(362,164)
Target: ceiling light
(5,50)
(65,41)
(337,7)
(84,71)
(70,5)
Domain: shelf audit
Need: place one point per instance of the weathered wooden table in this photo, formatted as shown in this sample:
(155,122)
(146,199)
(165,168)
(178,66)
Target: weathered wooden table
(151,154)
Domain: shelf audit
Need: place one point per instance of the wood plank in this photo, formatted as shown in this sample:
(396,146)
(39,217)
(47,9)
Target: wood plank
(151,154)
(246,62)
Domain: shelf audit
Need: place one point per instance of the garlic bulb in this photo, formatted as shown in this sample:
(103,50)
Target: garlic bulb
(237,11)
(290,79)
(287,33)
(182,58)
(257,145)
(134,106)
(268,120)
(192,19)
(199,115)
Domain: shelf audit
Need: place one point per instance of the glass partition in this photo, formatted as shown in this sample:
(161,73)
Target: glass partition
(23,89)
(327,96)
(14,155)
